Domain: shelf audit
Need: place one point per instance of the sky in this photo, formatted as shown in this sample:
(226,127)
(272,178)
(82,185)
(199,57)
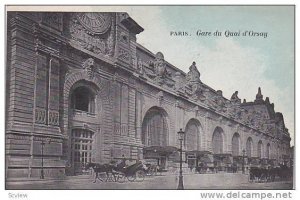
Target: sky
(241,63)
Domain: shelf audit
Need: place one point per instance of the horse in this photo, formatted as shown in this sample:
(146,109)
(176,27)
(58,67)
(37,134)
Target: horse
(259,174)
(100,168)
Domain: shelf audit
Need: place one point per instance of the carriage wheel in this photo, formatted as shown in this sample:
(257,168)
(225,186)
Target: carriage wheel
(151,172)
(132,177)
(120,178)
(102,177)
(140,175)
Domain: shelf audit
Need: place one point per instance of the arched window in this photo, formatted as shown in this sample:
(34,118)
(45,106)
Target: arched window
(191,140)
(83,99)
(249,147)
(154,128)
(268,150)
(260,149)
(235,144)
(217,141)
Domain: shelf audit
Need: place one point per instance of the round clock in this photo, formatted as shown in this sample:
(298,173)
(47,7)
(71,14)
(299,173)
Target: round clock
(95,23)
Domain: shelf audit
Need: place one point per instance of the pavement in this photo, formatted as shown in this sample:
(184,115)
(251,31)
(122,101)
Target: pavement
(164,181)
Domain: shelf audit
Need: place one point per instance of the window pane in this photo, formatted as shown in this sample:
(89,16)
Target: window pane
(83,99)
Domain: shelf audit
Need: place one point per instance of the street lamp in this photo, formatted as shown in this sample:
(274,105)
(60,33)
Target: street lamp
(243,163)
(42,170)
(181,137)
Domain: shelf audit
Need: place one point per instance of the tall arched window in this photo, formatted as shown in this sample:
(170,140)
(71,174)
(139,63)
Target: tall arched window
(154,128)
(268,150)
(235,144)
(83,99)
(249,147)
(217,141)
(260,149)
(192,133)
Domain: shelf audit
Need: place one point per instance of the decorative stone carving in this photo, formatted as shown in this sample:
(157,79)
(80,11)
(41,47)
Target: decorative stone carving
(234,98)
(124,55)
(193,76)
(160,97)
(91,32)
(140,67)
(193,81)
(178,81)
(220,101)
(53,118)
(53,20)
(124,38)
(160,69)
(259,97)
(40,116)
(95,23)
(209,100)
(157,70)
(88,66)
(196,92)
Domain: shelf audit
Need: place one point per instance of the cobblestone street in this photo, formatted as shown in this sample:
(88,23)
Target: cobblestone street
(191,181)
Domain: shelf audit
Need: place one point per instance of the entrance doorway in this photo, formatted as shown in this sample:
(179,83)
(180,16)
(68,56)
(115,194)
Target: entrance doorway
(81,154)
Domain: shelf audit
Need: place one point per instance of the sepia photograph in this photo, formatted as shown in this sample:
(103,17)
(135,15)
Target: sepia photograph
(150,97)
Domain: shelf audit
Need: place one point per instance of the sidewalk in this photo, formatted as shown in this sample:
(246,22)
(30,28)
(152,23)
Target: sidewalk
(46,179)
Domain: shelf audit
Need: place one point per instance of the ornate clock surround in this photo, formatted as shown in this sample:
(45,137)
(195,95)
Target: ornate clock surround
(95,23)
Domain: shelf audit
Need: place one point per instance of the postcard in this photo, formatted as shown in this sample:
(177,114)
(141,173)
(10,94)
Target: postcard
(150,97)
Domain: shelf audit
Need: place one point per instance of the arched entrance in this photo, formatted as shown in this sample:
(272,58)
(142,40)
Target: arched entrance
(192,135)
(235,144)
(217,141)
(155,134)
(249,147)
(260,149)
(82,146)
(220,159)
(83,116)
(155,128)
(191,143)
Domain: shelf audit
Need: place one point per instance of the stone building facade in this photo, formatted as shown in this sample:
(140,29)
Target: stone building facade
(81,87)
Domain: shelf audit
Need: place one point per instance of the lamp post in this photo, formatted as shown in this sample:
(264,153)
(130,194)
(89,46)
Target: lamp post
(181,136)
(243,163)
(42,170)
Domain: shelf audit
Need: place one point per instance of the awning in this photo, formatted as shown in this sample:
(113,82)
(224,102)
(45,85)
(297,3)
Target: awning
(222,155)
(206,158)
(238,159)
(161,150)
(254,160)
(198,153)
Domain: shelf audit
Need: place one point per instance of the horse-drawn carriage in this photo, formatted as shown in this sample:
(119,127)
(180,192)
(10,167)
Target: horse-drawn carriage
(260,174)
(118,172)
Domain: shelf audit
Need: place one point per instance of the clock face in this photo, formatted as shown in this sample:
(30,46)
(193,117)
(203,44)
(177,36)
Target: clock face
(96,23)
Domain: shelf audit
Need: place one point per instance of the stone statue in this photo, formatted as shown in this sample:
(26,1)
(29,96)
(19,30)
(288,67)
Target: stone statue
(140,66)
(162,75)
(193,81)
(88,66)
(193,76)
(234,98)
(259,96)
(160,65)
